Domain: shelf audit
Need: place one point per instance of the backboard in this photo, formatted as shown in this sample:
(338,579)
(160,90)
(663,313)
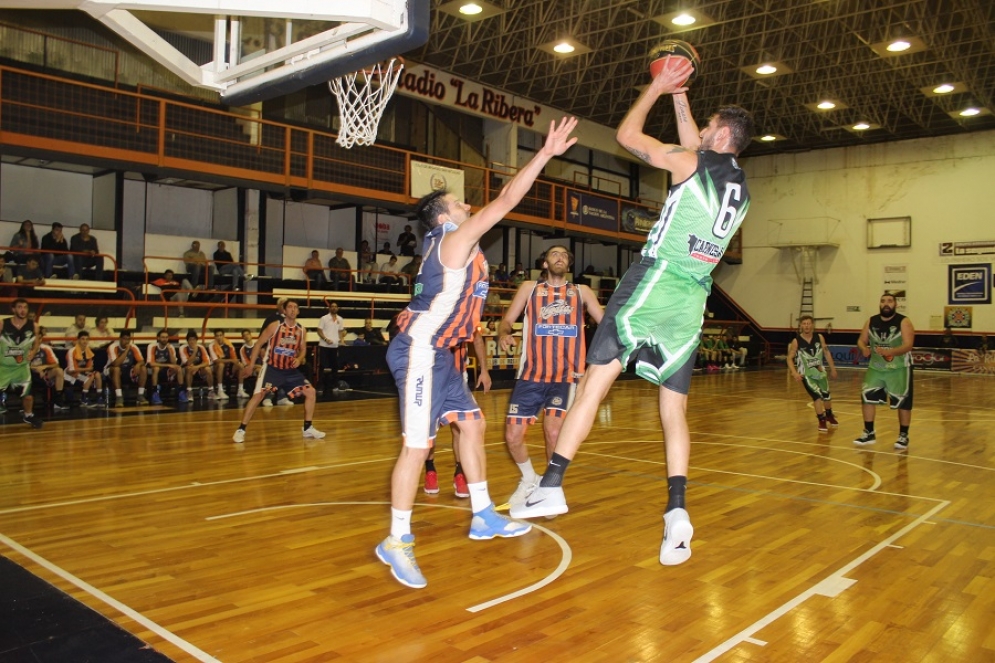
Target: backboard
(251,50)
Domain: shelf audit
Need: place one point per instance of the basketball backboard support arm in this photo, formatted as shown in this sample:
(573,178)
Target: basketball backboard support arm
(350,35)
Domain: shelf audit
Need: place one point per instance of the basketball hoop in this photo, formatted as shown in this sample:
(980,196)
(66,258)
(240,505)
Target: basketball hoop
(362,97)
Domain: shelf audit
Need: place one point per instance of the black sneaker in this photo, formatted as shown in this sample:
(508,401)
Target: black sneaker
(902,443)
(32,421)
(866,438)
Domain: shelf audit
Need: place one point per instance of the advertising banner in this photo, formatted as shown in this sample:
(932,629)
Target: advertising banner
(847,355)
(639,220)
(585,209)
(970,284)
(931,359)
(958,317)
(428,177)
(973,361)
(896,280)
(497,358)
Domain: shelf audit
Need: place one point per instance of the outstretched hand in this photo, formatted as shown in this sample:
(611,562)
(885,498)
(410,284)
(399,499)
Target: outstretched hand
(559,141)
(673,76)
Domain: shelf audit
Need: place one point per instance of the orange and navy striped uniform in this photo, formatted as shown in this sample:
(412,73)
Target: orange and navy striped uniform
(284,346)
(553,346)
(448,303)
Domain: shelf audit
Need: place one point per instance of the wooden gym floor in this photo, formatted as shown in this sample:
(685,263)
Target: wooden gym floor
(805,548)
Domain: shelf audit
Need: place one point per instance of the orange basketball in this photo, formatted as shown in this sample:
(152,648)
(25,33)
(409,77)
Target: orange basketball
(676,48)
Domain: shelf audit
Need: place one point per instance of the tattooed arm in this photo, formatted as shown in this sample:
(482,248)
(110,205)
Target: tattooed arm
(687,128)
(630,135)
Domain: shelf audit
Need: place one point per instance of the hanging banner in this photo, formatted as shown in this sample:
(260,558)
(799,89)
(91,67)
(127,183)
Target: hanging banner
(970,284)
(896,280)
(428,177)
(958,317)
(585,209)
(639,219)
(973,361)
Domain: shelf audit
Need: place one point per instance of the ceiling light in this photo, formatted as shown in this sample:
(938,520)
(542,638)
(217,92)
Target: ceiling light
(861,126)
(766,66)
(470,10)
(970,112)
(768,138)
(946,88)
(974,110)
(825,105)
(688,19)
(564,48)
(898,47)
(766,69)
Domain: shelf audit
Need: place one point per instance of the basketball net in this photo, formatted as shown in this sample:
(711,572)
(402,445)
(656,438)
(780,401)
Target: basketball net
(362,97)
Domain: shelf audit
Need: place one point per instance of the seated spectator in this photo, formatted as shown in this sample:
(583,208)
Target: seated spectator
(390,273)
(368,271)
(125,362)
(31,274)
(56,241)
(737,352)
(501,277)
(709,352)
(369,335)
(410,271)
(73,330)
(195,262)
(407,243)
(314,271)
(81,370)
(519,275)
(338,269)
(7,279)
(386,250)
(195,360)
(224,356)
(171,288)
(164,366)
(45,366)
(948,340)
(493,303)
(85,243)
(23,242)
(103,334)
(226,265)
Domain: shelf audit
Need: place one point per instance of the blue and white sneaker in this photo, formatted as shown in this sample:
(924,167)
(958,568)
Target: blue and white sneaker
(488,523)
(183,397)
(399,555)
(156,398)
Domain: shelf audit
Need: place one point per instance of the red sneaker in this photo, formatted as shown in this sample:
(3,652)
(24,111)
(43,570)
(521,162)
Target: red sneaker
(459,484)
(832,421)
(823,426)
(431,482)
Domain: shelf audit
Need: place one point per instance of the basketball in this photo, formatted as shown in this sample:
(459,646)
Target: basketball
(677,48)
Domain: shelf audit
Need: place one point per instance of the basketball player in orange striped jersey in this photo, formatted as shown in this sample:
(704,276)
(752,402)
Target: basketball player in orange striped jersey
(283,341)
(445,310)
(553,356)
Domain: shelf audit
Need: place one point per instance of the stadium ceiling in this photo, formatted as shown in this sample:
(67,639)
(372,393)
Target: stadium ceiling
(830,49)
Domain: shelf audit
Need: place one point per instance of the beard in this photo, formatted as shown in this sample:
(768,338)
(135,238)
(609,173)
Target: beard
(886,311)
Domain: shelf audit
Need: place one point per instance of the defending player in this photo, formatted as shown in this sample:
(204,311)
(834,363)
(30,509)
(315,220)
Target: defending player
(806,358)
(284,342)
(887,339)
(553,357)
(654,318)
(445,310)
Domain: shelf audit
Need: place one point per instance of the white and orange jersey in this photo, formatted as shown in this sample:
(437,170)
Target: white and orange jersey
(156,354)
(79,360)
(223,350)
(44,357)
(133,354)
(200,355)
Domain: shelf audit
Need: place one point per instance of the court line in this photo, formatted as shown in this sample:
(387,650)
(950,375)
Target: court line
(131,613)
(830,587)
(565,558)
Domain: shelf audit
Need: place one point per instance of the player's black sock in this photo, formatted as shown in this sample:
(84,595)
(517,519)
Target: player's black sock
(822,417)
(829,411)
(554,472)
(869,426)
(242,426)
(459,469)
(307,424)
(430,465)
(675,492)
(903,430)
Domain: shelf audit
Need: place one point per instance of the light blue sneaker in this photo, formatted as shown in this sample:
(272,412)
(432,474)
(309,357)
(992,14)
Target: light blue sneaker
(156,398)
(488,523)
(182,397)
(399,555)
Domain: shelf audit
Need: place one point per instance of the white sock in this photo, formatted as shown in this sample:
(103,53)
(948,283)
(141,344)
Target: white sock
(480,499)
(117,392)
(141,391)
(400,523)
(528,473)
